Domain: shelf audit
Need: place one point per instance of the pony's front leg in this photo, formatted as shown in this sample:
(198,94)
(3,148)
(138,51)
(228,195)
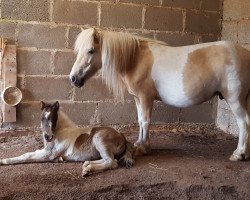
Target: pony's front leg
(144,106)
(36,156)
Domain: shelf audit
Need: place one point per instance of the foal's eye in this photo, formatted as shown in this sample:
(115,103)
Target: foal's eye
(91,51)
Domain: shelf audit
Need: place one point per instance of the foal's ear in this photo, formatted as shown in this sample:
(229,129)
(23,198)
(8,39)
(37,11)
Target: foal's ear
(42,106)
(96,35)
(56,105)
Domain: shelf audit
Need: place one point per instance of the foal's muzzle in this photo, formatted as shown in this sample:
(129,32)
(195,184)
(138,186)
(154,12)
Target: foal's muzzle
(77,81)
(48,138)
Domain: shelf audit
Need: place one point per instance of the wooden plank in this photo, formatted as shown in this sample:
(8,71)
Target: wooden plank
(10,79)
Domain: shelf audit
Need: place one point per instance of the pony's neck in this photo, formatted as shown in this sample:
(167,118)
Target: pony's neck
(63,121)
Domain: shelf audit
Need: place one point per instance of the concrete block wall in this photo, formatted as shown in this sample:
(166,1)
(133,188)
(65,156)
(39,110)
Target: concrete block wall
(45,31)
(236,28)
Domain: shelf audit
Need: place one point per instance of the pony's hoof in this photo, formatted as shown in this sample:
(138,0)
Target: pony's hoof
(236,158)
(85,164)
(84,173)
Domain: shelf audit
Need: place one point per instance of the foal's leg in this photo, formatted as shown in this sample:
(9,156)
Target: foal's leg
(242,116)
(36,156)
(145,104)
(107,161)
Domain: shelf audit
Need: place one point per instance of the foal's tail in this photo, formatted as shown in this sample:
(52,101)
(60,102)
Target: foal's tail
(126,159)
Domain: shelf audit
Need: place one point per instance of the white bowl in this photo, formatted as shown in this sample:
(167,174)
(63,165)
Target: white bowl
(11,95)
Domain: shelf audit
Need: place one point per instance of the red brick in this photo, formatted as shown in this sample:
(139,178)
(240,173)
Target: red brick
(176,39)
(93,90)
(121,16)
(203,22)
(163,19)
(63,62)
(236,10)
(41,36)
(35,10)
(47,88)
(33,62)
(75,12)
(8,31)
(209,5)
(80,113)
(194,4)
(73,33)
(117,114)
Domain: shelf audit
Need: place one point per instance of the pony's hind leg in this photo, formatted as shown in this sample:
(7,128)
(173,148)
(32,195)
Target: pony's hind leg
(240,110)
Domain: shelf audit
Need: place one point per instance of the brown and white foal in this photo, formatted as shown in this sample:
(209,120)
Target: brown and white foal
(64,141)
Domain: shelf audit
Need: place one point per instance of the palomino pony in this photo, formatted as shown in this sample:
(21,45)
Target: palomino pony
(64,141)
(179,76)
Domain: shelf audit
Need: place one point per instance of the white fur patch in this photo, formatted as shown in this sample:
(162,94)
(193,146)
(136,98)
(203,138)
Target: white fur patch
(47,114)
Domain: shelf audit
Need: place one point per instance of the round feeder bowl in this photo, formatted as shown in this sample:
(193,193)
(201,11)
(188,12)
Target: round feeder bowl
(11,95)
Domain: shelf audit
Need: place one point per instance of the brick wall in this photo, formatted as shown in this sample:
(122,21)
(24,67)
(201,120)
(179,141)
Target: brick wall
(45,31)
(236,28)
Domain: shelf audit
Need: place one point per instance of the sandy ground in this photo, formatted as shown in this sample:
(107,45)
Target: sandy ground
(185,163)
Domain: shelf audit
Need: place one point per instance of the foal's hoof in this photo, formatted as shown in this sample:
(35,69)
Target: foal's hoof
(142,150)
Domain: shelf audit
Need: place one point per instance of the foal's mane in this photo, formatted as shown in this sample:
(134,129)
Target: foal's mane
(118,51)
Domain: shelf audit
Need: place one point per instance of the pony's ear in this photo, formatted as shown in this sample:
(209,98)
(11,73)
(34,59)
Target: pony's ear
(96,35)
(42,106)
(56,105)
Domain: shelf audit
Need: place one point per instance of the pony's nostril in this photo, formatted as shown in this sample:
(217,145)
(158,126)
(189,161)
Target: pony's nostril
(73,79)
(46,137)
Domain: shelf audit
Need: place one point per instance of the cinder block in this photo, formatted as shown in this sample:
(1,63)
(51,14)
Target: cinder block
(209,5)
(244,32)
(47,88)
(75,12)
(93,90)
(236,10)
(8,30)
(163,19)
(63,62)
(33,62)
(209,38)
(41,36)
(121,16)
(117,113)
(229,31)
(73,32)
(162,114)
(202,113)
(36,10)
(80,113)
(223,119)
(203,22)
(176,39)
(28,116)
(146,2)
(190,4)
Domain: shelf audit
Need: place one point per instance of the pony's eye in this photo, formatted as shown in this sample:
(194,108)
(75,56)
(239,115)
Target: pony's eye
(91,51)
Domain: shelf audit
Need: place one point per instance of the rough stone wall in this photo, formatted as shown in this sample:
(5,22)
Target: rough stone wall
(45,31)
(236,28)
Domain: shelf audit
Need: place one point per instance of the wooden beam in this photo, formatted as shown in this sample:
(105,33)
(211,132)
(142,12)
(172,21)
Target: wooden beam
(10,79)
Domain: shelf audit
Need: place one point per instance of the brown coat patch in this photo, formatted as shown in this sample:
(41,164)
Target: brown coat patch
(204,71)
(83,138)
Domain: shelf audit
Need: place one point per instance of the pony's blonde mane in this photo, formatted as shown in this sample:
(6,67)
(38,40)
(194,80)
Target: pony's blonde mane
(118,51)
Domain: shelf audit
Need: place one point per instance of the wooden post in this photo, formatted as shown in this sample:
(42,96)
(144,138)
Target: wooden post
(10,79)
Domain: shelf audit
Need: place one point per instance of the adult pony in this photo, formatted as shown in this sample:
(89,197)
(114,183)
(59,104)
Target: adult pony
(179,76)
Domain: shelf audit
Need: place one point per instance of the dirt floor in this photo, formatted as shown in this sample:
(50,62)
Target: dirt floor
(185,163)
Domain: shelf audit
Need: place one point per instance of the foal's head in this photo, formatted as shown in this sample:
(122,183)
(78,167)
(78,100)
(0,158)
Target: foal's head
(49,119)
(88,60)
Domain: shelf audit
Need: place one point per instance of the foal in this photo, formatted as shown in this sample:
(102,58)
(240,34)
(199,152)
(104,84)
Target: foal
(64,141)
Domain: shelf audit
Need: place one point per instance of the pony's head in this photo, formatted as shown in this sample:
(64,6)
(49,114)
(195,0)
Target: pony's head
(49,119)
(88,60)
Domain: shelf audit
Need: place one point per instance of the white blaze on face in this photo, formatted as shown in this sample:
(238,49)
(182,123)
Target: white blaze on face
(47,114)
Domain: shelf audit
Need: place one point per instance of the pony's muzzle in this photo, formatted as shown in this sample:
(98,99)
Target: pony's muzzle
(48,138)
(77,81)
